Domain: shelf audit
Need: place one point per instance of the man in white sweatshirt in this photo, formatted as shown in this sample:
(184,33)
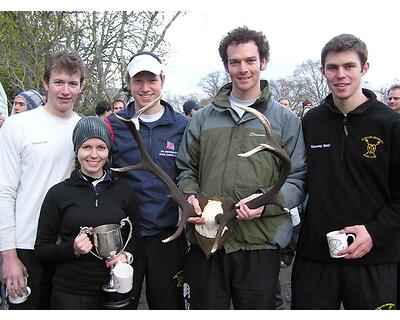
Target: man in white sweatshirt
(36,153)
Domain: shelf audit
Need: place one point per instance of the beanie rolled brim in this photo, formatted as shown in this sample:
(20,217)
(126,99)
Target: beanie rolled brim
(88,128)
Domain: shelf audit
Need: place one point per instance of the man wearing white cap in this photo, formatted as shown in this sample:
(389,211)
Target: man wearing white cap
(161,129)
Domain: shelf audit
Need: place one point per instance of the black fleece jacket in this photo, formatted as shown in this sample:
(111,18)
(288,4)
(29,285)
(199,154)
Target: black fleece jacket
(353,178)
(70,205)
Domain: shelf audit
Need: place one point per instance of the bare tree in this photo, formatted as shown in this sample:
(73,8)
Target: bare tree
(287,88)
(212,82)
(105,40)
(309,77)
(177,101)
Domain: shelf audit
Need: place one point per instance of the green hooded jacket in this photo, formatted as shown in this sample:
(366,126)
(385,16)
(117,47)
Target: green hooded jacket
(208,158)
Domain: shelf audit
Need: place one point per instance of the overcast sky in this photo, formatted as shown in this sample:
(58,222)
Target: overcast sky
(296,30)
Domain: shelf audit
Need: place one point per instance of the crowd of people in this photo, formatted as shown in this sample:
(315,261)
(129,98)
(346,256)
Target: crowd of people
(55,177)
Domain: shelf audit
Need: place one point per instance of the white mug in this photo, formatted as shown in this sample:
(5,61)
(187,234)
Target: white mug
(337,242)
(123,277)
(20,299)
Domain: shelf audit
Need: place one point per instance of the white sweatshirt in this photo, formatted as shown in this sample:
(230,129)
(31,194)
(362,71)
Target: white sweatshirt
(36,152)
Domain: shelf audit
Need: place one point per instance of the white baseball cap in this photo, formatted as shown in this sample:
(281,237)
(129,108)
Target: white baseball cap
(144,62)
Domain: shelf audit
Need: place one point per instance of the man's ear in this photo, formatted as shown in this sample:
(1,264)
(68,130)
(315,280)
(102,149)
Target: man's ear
(263,64)
(365,68)
(322,70)
(45,85)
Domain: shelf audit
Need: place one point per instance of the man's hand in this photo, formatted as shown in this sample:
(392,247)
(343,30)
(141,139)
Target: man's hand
(361,245)
(243,211)
(14,273)
(196,207)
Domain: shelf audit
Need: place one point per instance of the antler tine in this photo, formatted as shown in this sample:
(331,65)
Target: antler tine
(147,163)
(269,197)
(149,106)
(135,118)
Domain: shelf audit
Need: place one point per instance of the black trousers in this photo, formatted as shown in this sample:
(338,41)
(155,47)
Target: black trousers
(61,300)
(325,286)
(39,281)
(247,279)
(162,266)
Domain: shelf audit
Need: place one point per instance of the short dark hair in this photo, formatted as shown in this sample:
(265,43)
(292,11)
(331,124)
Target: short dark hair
(119,100)
(102,107)
(243,35)
(306,102)
(344,42)
(394,87)
(68,61)
(284,98)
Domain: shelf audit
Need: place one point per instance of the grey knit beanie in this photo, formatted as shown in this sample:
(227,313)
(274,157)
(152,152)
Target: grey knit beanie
(90,127)
(32,98)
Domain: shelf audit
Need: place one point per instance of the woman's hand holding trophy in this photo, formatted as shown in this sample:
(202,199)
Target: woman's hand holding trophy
(82,244)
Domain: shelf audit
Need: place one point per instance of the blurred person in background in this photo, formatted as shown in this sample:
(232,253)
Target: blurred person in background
(394,97)
(27,100)
(118,105)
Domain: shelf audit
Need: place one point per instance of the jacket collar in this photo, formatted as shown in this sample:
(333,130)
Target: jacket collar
(359,110)
(167,118)
(77,178)
(221,99)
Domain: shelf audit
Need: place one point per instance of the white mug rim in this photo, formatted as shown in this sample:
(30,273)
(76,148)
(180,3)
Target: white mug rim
(22,299)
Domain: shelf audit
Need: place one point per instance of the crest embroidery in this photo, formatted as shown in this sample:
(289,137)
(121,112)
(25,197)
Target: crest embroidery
(372,142)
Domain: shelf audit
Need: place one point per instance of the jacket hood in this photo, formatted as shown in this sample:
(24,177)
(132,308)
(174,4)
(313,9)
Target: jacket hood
(222,97)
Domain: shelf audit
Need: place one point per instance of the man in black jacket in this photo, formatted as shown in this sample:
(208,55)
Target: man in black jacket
(353,158)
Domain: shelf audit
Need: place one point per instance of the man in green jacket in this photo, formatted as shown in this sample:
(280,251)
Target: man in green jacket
(245,271)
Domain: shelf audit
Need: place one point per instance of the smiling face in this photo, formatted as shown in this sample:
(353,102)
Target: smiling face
(244,67)
(343,72)
(146,87)
(63,90)
(92,156)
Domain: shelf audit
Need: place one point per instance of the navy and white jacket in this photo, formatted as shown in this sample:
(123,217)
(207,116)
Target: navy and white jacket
(162,138)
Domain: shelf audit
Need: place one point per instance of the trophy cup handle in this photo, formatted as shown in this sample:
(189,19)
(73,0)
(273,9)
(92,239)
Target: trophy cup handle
(88,230)
(122,223)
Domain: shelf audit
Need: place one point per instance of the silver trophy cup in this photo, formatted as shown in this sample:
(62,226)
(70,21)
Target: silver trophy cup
(108,243)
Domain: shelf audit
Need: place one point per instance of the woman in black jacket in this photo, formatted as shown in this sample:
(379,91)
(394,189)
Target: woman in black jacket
(90,197)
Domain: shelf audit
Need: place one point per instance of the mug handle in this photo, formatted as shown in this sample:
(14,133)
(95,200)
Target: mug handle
(89,231)
(351,236)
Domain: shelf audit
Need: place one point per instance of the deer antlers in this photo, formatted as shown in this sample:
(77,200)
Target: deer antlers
(269,197)
(148,164)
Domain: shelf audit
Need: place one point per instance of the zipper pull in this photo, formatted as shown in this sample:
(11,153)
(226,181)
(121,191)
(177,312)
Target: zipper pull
(345,130)
(96,201)
(344,126)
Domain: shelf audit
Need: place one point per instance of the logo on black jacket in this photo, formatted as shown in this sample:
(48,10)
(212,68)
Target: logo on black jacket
(372,143)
